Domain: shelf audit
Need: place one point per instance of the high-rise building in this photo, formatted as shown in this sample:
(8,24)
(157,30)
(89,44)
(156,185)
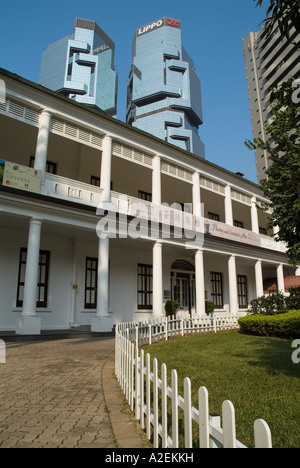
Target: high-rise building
(81,66)
(164,91)
(268,60)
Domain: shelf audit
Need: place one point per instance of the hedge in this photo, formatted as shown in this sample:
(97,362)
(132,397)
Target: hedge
(282,326)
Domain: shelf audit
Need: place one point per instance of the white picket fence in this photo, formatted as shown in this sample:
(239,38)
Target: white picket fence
(163,328)
(156,405)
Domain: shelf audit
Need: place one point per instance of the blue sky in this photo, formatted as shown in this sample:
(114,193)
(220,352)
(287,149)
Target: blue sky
(212,33)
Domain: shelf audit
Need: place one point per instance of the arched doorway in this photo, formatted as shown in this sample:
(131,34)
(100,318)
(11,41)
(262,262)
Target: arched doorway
(183,285)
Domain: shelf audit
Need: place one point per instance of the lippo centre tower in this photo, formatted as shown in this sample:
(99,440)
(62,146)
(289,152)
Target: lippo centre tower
(164,91)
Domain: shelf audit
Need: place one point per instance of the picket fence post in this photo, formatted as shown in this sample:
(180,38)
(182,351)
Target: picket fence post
(142,389)
(188,413)
(262,435)
(164,405)
(137,383)
(132,375)
(148,396)
(203,417)
(155,403)
(228,416)
(175,437)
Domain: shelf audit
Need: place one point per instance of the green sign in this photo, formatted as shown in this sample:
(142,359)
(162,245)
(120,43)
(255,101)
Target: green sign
(20,177)
(2,166)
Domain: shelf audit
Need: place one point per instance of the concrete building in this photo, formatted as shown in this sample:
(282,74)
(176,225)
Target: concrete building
(69,172)
(164,91)
(268,60)
(81,66)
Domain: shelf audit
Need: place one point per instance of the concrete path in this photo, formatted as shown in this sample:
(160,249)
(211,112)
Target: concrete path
(56,394)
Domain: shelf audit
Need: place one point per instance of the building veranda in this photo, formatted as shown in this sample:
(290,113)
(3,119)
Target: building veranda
(69,169)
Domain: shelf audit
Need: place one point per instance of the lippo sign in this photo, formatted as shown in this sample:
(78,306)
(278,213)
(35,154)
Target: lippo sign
(158,24)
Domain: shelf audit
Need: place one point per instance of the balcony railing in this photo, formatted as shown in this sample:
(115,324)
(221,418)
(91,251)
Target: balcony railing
(72,190)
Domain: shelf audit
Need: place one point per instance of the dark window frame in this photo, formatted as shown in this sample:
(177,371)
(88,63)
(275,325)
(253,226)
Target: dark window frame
(88,288)
(216,279)
(42,285)
(242,282)
(145,273)
(145,196)
(95,181)
(51,167)
(238,224)
(213,216)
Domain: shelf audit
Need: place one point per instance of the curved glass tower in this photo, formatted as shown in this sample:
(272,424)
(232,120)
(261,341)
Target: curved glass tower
(81,66)
(164,91)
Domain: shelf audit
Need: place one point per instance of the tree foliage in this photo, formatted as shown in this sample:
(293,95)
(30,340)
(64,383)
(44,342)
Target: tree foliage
(284,13)
(282,185)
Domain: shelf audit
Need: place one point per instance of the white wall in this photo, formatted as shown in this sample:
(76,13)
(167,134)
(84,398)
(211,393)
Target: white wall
(56,315)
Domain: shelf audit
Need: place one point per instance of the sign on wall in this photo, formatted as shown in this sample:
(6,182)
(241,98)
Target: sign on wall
(20,177)
(158,24)
(218,229)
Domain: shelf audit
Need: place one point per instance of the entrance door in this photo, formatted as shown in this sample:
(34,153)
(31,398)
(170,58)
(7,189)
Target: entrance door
(183,285)
(183,292)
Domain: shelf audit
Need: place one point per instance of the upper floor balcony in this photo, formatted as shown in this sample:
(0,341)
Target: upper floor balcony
(173,216)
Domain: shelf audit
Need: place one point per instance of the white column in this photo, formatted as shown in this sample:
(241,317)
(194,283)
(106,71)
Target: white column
(233,292)
(103,322)
(157,280)
(29,323)
(297,272)
(42,141)
(280,278)
(74,285)
(259,279)
(156,180)
(105,177)
(196,195)
(254,216)
(200,283)
(228,206)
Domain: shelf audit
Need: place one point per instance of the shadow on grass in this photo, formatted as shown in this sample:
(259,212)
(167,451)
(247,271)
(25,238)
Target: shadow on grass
(273,354)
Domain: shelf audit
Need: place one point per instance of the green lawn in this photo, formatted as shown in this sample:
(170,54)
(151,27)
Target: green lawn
(256,373)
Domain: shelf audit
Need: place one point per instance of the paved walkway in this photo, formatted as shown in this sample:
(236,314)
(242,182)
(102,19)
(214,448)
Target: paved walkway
(63,393)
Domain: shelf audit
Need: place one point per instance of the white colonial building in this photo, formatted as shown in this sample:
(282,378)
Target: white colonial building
(60,162)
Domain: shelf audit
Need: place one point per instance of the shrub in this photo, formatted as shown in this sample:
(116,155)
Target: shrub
(171,307)
(282,326)
(269,305)
(293,301)
(209,307)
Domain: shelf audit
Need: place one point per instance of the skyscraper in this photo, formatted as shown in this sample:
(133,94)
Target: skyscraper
(164,91)
(268,60)
(81,66)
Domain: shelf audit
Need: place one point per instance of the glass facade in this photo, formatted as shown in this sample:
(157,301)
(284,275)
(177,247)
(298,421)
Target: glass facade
(164,91)
(81,66)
